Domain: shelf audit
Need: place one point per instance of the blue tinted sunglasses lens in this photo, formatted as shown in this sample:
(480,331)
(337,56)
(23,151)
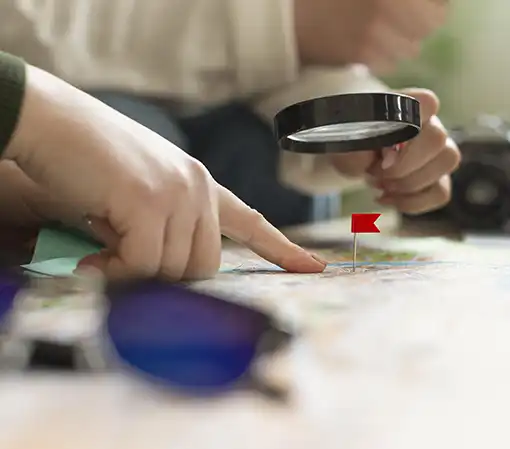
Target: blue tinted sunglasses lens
(183,338)
(9,288)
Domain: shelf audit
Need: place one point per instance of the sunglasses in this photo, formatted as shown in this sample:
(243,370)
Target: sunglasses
(174,337)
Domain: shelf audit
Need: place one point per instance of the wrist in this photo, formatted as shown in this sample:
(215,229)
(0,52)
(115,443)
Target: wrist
(44,122)
(12,90)
(27,129)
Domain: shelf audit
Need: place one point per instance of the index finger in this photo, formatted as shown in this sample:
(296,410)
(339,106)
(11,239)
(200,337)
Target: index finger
(248,227)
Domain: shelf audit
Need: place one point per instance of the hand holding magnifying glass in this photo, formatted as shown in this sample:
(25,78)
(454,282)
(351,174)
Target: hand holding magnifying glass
(359,134)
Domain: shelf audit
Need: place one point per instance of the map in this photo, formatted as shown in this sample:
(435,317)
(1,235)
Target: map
(388,269)
(377,255)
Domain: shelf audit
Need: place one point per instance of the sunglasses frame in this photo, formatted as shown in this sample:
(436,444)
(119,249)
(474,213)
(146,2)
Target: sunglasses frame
(273,340)
(82,294)
(98,351)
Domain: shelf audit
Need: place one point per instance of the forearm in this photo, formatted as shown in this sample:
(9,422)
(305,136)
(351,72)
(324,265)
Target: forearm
(20,197)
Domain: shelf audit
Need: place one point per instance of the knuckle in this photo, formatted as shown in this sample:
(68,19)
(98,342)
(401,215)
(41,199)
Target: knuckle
(156,194)
(254,216)
(201,178)
(254,221)
(144,191)
(181,185)
(198,169)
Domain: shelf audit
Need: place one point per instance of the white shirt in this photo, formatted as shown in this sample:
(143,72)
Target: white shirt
(198,52)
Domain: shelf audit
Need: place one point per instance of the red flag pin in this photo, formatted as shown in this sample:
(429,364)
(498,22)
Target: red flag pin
(362,224)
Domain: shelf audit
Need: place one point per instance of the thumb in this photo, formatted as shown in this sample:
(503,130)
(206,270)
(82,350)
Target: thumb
(97,261)
(429,102)
(103,232)
(123,257)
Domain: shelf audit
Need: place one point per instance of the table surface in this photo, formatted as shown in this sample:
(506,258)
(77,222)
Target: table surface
(427,367)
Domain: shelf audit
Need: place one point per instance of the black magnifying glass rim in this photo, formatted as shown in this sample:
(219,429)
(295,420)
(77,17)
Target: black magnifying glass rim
(348,108)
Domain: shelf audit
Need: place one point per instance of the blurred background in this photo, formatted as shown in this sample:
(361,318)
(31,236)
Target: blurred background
(466,64)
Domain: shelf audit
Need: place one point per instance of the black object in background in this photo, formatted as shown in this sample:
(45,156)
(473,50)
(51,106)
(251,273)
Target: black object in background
(481,185)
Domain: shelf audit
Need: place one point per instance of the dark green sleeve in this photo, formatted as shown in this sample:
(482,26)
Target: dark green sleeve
(12,89)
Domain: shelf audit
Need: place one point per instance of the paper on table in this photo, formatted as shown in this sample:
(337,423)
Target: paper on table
(58,252)
(63,266)
(56,244)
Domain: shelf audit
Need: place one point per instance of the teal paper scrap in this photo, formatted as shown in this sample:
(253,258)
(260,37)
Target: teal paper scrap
(58,251)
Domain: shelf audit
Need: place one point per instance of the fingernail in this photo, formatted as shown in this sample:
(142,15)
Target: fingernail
(319,259)
(305,264)
(390,156)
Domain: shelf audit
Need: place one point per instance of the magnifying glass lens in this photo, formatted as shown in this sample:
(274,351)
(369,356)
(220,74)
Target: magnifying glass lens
(347,131)
(348,122)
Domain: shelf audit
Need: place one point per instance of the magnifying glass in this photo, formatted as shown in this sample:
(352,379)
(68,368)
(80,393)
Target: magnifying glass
(348,122)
